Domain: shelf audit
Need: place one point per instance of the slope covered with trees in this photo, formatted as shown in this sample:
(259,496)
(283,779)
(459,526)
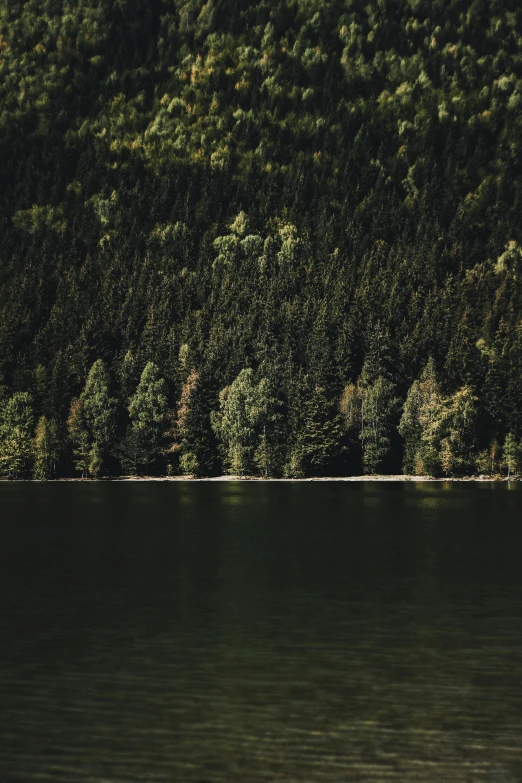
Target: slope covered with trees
(278,237)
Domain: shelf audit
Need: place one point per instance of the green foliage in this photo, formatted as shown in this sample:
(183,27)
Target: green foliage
(369,410)
(16,430)
(318,191)
(420,411)
(148,411)
(452,433)
(79,438)
(92,423)
(379,409)
(512,454)
(47,447)
(319,435)
(189,464)
(440,432)
(246,408)
(488,460)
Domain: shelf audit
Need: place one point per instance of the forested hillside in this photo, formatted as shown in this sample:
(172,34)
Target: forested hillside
(280,237)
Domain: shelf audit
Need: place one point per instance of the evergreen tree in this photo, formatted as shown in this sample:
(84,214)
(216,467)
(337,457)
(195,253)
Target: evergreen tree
(92,423)
(270,452)
(244,409)
(148,410)
(16,441)
(46,449)
(369,410)
(319,437)
(195,438)
(380,407)
(79,438)
(180,443)
(452,432)
(420,410)
(488,460)
(512,454)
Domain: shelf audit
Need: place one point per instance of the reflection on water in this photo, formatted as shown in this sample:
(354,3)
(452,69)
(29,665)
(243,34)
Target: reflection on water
(252,632)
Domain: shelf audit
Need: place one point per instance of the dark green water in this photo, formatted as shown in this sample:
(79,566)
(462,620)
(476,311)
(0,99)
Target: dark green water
(260,632)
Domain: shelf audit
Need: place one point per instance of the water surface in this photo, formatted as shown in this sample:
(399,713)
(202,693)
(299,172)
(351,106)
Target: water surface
(260,632)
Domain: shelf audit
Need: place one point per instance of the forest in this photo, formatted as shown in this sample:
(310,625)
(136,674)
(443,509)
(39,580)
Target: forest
(279,238)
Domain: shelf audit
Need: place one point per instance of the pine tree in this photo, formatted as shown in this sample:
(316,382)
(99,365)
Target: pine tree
(179,432)
(148,410)
(46,449)
(195,438)
(245,411)
(79,438)
(488,459)
(16,431)
(269,455)
(369,410)
(92,423)
(379,409)
(319,438)
(419,412)
(452,432)
(512,454)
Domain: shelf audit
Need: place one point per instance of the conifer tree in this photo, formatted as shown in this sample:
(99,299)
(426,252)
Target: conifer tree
(380,408)
(148,410)
(195,437)
(92,423)
(319,437)
(488,459)
(512,454)
(244,407)
(369,410)
(269,452)
(179,434)
(452,432)
(79,438)
(419,412)
(16,431)
(46,449)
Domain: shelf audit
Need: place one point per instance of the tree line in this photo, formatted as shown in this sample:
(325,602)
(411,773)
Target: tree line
(252,428)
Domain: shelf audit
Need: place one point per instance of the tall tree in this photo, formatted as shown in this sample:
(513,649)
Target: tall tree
(419,412)
(380,407)
(80,438)
(243,409)
(319,438)
(269,454)
(148,411)
(370,409)
(488,460)
(512,454)
(16,431)
(92,422)
(452,432)
(180,442)
(194,437)
(46,449)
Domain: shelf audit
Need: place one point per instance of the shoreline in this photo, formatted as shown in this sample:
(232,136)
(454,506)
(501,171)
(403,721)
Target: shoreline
(375,478)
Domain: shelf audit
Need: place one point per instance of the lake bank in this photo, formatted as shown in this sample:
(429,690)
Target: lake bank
(398,477)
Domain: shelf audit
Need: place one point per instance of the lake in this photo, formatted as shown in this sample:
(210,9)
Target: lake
(297,632)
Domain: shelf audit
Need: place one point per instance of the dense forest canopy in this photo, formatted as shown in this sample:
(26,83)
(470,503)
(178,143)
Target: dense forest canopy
(277,237)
